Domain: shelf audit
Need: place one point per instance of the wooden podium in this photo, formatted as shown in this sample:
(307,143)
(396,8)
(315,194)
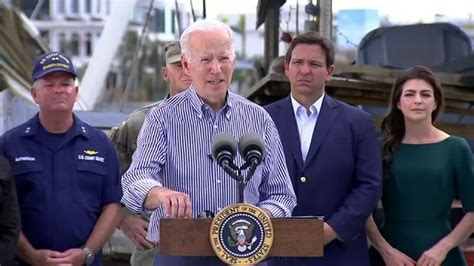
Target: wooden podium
(293,237)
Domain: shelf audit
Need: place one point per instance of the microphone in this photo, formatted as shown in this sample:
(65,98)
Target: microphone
(223,149)
(252,148)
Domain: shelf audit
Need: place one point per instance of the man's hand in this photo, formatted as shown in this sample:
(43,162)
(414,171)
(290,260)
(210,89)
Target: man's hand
(135,228)
(74,257)
(328,234)
(41,257)
(175,204)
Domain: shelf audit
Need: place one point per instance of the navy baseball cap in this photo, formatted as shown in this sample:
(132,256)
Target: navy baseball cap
(52,62)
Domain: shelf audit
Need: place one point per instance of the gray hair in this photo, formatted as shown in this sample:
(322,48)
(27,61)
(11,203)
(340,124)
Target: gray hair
(207,25)
(35,83)
(38,82)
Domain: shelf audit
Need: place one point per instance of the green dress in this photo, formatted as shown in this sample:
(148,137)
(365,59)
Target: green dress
(417,195)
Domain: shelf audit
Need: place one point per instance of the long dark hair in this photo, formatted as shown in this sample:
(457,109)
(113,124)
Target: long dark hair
(393,125)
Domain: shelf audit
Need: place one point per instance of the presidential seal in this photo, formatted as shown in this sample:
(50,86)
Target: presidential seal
(241,234)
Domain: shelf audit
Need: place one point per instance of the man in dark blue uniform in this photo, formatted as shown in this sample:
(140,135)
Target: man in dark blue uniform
(9,215)
(67,174)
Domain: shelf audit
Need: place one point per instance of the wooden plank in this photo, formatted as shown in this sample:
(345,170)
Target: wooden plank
(361,101)
(275,86)
(363,85)
(388,75)
(458,93)
(301,237)
(297,237)
(457,129)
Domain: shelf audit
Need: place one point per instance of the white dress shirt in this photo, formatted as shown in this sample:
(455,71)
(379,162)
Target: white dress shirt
(306,122)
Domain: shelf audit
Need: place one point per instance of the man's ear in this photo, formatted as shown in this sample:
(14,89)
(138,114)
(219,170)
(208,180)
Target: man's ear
(34,94)
(164,74)
(331,69)
(287,67)
(185,64)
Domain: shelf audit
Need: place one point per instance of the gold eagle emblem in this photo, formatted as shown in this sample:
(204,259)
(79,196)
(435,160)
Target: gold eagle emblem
(91,152)
(241,233)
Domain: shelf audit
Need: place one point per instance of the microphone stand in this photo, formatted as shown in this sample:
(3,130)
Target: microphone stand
(236,173)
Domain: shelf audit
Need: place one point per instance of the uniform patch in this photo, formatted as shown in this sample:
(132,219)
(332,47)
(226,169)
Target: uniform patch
(91,152)
(25,158)
(90,156)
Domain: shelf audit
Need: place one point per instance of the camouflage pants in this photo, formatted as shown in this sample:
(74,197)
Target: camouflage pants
(143,257)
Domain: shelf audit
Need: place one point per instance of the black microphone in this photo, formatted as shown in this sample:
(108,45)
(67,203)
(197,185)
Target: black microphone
(252,148)
(224,148)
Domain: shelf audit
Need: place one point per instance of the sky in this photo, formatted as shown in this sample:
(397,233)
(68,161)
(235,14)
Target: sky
(403,11)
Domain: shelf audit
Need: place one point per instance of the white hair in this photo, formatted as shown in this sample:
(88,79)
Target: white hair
(36,83)
(207,25)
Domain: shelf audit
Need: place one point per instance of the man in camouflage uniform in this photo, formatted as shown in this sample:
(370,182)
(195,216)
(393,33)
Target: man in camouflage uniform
(134,226)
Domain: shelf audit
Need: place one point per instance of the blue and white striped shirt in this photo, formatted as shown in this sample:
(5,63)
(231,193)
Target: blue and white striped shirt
(174,151)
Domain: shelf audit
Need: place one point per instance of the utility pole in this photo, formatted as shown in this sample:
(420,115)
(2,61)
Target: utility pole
(325,18)
(272,30)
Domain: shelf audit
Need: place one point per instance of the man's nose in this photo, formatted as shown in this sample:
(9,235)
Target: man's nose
(58,88)
(215,66)
(305,68)
(185,74)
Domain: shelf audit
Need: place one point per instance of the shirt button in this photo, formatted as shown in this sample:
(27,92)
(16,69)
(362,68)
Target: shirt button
(303,179)
(218,181)
(215,126)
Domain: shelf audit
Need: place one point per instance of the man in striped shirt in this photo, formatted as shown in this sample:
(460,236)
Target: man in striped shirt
(133,225)
(172,173)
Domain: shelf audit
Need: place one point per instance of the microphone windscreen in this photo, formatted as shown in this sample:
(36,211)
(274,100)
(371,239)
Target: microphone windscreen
(251,141)
(223,141)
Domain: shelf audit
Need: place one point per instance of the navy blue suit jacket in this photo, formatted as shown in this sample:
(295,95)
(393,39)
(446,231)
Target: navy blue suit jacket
(342,171)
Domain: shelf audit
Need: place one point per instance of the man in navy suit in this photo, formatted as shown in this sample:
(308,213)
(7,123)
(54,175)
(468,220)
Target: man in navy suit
(332,154)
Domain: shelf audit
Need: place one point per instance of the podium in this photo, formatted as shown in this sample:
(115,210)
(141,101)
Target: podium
(293,237)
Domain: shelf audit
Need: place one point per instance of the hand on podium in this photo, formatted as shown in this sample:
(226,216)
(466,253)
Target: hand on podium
(328,233)
(175,204)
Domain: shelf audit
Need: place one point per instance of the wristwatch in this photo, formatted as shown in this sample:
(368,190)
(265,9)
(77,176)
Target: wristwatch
(89,255)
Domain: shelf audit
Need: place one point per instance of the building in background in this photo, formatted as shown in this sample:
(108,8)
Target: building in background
(74,26)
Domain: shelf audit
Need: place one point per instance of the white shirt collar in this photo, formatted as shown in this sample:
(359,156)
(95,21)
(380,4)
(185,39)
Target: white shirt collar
(316,105)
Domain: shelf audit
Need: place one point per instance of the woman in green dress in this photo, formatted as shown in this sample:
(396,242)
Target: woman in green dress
(424,168)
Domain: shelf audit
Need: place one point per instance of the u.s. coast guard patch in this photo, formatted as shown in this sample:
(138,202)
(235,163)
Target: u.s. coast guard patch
(241,234)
